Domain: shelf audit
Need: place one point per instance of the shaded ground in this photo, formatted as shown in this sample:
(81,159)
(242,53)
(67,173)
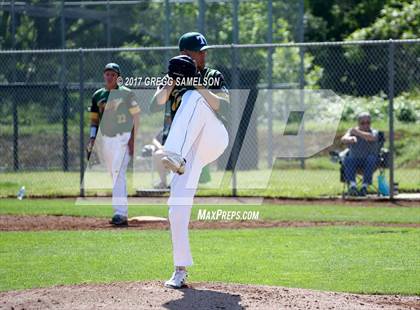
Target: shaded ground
(51,222)
(152,295)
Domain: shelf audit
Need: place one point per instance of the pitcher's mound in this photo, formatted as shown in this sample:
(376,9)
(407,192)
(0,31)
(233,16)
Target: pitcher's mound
(152,295)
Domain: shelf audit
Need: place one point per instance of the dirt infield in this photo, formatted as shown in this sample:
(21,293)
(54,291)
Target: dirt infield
(152,295)
(51,222)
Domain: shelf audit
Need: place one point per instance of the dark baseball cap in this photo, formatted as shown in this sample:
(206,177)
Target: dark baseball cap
(192,41)
(114,67)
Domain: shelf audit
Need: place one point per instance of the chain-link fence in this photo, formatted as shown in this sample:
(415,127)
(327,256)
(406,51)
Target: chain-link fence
(46,94)
(109,23)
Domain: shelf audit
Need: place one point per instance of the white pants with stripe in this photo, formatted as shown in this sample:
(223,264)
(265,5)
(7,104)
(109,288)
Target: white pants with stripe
(116,156)
(200,137)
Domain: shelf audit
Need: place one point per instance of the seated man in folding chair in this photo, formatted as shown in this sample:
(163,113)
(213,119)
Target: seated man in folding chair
(363,154)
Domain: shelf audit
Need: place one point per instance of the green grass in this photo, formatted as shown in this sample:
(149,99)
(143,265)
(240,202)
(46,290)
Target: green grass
(313,212)
(292,182)
(37,124)
(352,259)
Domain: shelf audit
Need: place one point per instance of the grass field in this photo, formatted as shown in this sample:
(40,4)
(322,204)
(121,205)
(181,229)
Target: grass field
(291,182)
(312,212)
(354,259)
(362,259)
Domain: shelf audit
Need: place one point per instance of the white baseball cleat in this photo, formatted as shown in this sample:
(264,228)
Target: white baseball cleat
(178,279)
(173,162)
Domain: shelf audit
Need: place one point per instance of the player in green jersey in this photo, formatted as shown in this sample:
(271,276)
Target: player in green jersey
(115,115)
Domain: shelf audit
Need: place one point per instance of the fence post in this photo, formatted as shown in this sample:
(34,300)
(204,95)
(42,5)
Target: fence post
(15,131)
(235,85)
(167,31)
(14,101)
(201,23)
(302,78)
(108,29)
(302,104)
(65,111)
(63,82)
(81,123)
(270,85)
(391,75)
(235,122)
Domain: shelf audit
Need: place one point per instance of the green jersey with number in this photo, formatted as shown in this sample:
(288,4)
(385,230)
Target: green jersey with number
(115,109)
(211,79)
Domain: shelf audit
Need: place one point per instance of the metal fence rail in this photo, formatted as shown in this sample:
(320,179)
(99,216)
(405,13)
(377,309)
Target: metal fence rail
(45,95)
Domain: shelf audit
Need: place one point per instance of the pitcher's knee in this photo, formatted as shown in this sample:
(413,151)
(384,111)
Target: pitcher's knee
(225,140)
(222,144)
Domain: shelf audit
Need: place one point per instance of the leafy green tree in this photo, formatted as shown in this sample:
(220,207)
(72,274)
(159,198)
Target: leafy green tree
(397,20)
(334,20)
(362,70)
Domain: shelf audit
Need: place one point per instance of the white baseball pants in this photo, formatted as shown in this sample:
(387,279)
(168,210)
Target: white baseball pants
(116,156)
(200,137)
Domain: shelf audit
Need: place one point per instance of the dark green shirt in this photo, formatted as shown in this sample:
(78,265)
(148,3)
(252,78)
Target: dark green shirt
(115,109)
(215,82)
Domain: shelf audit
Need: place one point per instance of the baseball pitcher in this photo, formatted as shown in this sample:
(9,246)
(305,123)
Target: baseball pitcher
(115,115)
(194,136)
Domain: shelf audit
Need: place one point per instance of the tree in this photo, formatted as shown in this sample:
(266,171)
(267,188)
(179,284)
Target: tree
(397,20)
(334,20)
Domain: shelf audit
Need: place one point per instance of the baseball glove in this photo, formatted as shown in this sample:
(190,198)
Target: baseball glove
(182,66)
